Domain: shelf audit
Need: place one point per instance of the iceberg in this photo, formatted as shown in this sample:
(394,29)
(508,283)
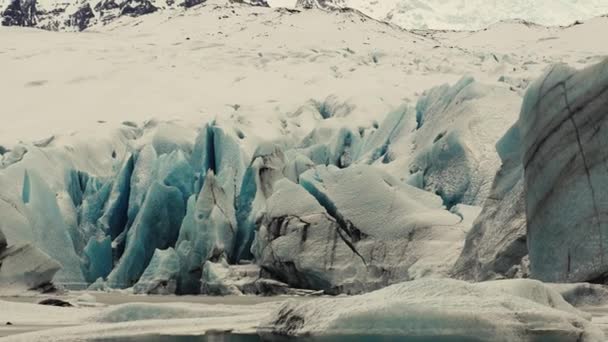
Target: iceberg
(518,310)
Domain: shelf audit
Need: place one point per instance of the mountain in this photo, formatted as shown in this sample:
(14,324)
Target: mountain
(408,14)
(78,15)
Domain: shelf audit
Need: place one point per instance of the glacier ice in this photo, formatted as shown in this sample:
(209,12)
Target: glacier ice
(439,308)
(156,226)
(220,278)
(457,127)
(217,150)
(582,294)
(321,235)
(142,177)
(496,245)
(207,232)
(215,279)
(174,170)
(25,267)
(376,144)
(296,164)
(265,169)
(562,122)
(97,258)
(95,196)
(541,218)
(290,204)
(160,277)
(169,137)
(49,228)
(115,216)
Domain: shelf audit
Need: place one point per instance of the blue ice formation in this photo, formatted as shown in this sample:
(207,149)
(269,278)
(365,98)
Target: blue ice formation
(160,277)
(97,258)
(265,169)
(144,173)
(48,226)
(455,125)
(216,150)
(207,232)
(156,226)
(115,216)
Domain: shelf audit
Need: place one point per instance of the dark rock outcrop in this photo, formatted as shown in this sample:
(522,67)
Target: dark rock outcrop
(83,17)
(135,8)
(20,13)
(55,302)
(321,4)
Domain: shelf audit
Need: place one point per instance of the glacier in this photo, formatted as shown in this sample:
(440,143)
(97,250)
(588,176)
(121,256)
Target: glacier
(565,111)
(215,197)
(497,246)
(335,176)
(174,209)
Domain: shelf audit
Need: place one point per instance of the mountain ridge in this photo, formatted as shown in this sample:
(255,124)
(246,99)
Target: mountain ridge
(78,15)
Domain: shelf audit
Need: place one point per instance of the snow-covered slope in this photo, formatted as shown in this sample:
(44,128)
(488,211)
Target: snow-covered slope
(430,309)
(464,15)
